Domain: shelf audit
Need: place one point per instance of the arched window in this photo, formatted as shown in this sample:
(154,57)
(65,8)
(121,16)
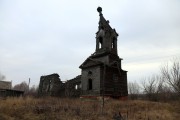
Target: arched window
(76,87)
(113,42)
(90,86)
(100,42)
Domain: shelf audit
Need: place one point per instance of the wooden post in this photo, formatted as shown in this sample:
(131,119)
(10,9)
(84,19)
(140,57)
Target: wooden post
(104,74)
(29,84)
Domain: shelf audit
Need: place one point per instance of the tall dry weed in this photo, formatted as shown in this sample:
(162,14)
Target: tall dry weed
(29,108)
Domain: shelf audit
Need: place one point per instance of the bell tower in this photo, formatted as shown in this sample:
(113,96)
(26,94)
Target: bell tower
(106,37)
(101,73)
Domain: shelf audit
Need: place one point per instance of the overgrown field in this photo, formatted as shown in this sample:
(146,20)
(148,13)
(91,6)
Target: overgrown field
(29,108)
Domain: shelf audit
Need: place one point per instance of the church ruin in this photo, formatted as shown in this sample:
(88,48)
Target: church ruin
(101,73)
(51,85)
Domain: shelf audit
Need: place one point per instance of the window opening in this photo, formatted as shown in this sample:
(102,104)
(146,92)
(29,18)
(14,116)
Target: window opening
(76,87)
(112,45)
(90,84)
(113,42)
(100,42)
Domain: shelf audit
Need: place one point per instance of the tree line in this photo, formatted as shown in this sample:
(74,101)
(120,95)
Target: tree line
(23,86)
(163,86)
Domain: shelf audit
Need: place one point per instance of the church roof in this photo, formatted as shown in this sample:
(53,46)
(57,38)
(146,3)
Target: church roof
(89,62)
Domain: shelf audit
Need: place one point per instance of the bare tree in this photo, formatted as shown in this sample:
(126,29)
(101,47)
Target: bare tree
(171,75)
(33,91)
(152,85)
(134,90)
(156,89)
(22,87)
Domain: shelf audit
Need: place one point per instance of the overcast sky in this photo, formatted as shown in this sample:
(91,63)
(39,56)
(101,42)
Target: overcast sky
(41,37)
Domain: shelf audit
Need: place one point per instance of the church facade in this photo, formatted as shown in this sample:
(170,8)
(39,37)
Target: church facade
(101,73)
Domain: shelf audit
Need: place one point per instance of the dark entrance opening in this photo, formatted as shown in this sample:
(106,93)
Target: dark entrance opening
(90,84)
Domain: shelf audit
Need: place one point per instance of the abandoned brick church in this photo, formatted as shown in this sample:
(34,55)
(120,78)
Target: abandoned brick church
(101,73)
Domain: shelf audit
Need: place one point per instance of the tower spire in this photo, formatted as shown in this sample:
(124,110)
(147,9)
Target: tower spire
(106,37)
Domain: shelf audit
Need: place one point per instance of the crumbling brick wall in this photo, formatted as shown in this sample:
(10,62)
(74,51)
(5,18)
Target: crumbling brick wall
(73,87)
(50,85)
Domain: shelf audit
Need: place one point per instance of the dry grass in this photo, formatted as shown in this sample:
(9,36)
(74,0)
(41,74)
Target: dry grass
(79,109)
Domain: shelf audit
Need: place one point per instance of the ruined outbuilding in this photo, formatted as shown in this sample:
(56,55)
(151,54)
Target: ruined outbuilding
(5,84)
(7,91)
